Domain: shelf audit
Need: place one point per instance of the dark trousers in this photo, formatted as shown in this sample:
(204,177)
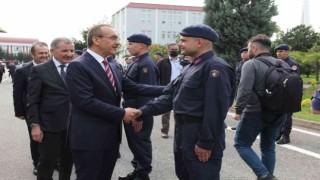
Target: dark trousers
(95,164)
(33,148)
(140,145)
(1,77)
(287,125)
(52,148)
(187,165)
(165,122)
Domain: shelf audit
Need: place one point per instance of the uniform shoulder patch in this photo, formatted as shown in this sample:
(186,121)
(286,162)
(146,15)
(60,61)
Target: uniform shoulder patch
(214,73)
(294,67)
(145,70)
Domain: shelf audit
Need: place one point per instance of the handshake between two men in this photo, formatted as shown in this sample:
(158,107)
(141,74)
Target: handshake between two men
(131,115)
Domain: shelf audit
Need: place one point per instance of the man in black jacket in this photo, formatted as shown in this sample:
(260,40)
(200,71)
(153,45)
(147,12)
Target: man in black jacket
(169,69)
(39,54)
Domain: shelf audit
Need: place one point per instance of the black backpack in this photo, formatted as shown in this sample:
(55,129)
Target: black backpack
(283,89)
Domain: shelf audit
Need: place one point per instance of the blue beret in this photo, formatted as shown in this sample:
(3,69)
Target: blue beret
(140,38)
(200,31)
(79,52)
(244,49)
(282,47)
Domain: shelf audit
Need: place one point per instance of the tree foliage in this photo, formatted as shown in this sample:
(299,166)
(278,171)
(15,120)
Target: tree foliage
(154,48)
(300,38)
(309,61)
(236,21)
(80,44)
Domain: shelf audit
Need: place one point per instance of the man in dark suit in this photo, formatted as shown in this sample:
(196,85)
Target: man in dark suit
(48,110)
(39,54)
(169,69)
(95,87)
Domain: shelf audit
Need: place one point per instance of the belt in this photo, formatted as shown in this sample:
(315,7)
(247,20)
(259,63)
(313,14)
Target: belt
(183,119)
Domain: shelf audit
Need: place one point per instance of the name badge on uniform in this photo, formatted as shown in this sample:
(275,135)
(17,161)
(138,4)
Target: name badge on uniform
(145,70)
(214,73)
(294,67)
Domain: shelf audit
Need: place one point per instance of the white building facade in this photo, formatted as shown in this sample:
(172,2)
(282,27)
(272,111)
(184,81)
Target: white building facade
(162,23)
(15,45)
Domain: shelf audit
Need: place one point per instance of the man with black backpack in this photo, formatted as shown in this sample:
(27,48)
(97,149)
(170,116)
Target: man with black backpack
(282,52)
(255,120)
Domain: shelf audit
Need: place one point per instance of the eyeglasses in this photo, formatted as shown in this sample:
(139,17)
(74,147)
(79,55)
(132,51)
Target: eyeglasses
(113,38)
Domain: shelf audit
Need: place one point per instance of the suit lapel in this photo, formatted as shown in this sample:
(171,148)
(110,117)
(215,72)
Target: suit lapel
(101,72)
(52,69)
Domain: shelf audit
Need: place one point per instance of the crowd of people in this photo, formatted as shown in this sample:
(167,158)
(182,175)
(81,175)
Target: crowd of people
(76,102)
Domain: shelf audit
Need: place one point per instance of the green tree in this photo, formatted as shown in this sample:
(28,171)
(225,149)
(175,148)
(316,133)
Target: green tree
(236,21)
(154,48)
(309,61)
(300,38)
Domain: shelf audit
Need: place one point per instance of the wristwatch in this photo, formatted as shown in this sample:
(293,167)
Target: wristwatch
(33,125)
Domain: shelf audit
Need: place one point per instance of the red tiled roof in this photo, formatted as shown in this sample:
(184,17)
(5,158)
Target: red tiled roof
(18,40)
(164,6)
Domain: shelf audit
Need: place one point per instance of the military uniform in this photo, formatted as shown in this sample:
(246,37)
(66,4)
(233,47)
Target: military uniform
(287,125)
(239,67)
(142,70)
(200,98)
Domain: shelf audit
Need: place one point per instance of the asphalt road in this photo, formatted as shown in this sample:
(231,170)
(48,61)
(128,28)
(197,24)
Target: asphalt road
(300,160)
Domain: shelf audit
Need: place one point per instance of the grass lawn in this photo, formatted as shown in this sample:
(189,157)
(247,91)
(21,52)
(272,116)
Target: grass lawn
(305,111)
(307,80)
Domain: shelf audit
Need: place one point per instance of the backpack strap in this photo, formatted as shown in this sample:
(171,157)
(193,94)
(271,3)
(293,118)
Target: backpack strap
(266,61)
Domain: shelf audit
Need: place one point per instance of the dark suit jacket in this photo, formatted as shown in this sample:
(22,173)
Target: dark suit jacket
(20,85)
(96,115)
(164,67)
(48,98)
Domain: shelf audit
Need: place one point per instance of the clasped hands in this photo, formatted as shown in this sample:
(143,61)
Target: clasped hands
(131,115)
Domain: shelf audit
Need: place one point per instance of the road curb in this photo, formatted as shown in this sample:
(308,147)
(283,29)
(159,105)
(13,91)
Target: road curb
(306,124)
(299,122)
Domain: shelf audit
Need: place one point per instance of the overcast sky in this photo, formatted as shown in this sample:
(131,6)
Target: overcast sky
(47,19)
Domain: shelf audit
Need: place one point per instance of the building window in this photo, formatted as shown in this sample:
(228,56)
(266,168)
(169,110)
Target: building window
(174,35)
(169,34)
(163,15)
(163,34)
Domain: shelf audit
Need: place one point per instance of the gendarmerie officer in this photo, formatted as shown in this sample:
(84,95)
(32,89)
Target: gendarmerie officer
(200,98)
(142,70)
(282,52)
(244,58)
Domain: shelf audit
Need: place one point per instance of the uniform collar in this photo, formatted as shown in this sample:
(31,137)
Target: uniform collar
(287,59)
(203,57)
(137,58)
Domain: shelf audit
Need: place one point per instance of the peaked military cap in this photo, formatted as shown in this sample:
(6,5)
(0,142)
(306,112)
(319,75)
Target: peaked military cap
(200,31)
(243,49)
(282,47)
(140,38)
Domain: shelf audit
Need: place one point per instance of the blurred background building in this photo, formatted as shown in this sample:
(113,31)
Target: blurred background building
(159,21)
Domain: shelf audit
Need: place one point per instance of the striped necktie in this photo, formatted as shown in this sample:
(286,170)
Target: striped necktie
(109,74)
